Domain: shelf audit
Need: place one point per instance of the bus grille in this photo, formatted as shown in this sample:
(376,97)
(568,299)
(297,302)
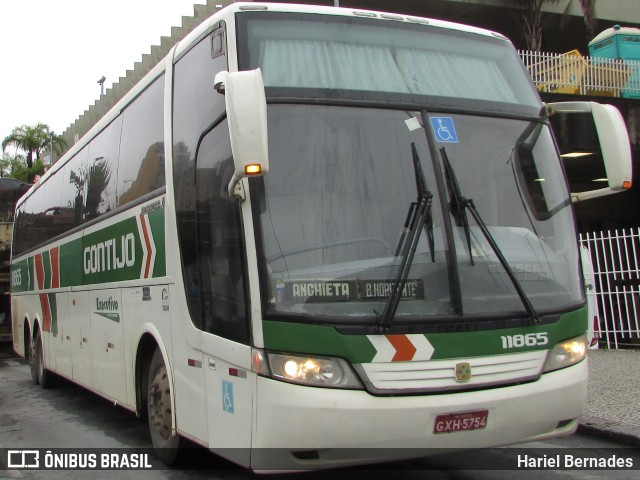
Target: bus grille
(440,375)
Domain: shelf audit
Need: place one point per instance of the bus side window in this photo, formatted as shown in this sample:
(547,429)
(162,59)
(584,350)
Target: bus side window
(141,164)
(99,174)
(19,243)
(220,241)
(196,105)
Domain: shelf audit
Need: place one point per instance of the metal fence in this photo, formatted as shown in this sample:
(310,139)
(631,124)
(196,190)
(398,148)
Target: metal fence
(615,257)
(573,73)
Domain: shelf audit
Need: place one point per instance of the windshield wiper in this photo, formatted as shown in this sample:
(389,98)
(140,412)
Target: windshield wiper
(468,204)
(421,185)
(419,216)
(456,206)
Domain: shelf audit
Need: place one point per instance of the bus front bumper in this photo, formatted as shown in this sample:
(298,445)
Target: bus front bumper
(300,428)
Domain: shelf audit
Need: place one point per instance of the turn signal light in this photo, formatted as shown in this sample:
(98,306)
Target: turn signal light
(252,169)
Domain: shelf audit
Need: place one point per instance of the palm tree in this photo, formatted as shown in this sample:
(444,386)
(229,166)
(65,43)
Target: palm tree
(532,18)
(590,20)
(33,140)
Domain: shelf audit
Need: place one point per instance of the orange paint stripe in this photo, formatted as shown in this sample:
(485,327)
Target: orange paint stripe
(147,242)
(54,253)
(46,312)
(39,271)
(405,350)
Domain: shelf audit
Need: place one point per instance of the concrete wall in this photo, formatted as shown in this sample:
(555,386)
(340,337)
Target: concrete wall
(623,11)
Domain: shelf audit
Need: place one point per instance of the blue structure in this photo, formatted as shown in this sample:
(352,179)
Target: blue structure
(620,43)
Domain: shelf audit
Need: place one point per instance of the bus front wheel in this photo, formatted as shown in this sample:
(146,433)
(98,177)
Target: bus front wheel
(159,411)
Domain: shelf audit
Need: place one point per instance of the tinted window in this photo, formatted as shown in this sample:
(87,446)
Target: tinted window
(73,190)
(17,247)
(196,103)
(57,217)
(86,187)
(196,106)
(220,241)
(99,173)
(21,240)
(55,208)
(30,221)
(141,167)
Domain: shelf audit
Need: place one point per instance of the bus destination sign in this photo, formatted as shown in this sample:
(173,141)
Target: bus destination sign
(351,290)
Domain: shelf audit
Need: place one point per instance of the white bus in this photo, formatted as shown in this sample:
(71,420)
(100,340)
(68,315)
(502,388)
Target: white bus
(310,229)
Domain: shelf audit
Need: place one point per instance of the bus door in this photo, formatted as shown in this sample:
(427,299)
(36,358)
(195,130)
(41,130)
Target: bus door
(223,313)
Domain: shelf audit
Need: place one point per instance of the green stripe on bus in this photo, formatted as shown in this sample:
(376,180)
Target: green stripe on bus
(112,254)
(70,264)
(326,340)
(488,342)
(318,339)
(46,264)
(156,221)
(53,305)
(20,276)
(31,273)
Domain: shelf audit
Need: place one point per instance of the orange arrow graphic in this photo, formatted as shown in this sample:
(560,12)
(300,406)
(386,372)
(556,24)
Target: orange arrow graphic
(405,350)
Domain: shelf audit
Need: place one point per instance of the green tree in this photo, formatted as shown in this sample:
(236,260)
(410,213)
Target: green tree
(15,166)
(33,141)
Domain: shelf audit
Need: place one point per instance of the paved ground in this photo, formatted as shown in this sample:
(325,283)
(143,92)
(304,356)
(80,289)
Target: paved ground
(613,402)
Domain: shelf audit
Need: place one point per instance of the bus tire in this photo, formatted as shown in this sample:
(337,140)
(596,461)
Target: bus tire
(43,376)
(30,349)
(159,412)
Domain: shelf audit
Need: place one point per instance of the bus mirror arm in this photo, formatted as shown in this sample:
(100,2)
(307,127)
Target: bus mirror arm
(246,107)
(614,143)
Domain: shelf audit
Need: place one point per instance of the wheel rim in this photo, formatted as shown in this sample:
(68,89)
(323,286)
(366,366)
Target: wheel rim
(160,403)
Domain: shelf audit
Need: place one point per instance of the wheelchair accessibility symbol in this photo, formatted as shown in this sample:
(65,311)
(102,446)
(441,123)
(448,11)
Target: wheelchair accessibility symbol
(444,129)
(227,396)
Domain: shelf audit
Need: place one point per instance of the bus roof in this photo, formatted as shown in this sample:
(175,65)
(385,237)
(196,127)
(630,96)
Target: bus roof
(228,12)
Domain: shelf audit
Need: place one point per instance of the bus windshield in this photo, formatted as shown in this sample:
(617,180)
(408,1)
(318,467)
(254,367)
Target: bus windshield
(333,213)
(345,57)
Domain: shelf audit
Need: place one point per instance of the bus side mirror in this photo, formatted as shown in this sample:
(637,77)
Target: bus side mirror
(246,107)
(614,143)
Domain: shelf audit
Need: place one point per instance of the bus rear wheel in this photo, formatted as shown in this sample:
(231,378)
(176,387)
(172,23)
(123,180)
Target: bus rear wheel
(39,374)
(159,412)
(31,352)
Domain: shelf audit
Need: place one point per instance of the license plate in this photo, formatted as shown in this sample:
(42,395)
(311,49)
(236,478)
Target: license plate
(461,422)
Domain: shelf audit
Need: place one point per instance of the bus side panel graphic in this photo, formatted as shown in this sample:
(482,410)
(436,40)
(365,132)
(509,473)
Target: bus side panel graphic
(131,249)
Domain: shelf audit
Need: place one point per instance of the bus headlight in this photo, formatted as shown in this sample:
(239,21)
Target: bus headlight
(315,371)
(566,353)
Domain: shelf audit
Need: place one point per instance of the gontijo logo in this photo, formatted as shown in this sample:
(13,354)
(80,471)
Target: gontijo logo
(111,254)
